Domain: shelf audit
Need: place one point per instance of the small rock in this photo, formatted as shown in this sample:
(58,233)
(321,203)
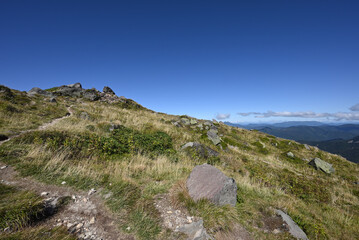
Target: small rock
(169,212)
(63,183)
(43,194)
(294,229)
(70,225)
(85,200)
(92,220)
(276,231)
(306,147)
(290,154)
(80,225)
(3,167)
(178,212)
(128,228)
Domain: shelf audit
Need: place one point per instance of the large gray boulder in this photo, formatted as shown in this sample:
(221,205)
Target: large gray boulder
(212,135)
(318,163)
(39,91)
(202,150)
(294,229)
(208,182)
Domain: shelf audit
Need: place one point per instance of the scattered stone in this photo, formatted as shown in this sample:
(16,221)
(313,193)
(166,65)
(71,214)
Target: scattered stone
(294,229)
(108,90)
(128,228)
(53,100)
(43,194)
(92,191)
(318,163)
(213,136)
(276,231)
(3,167)
(195,231)
(306,147)
(207,182)
(63,183)
(290,154)
(169,212)
(92,220)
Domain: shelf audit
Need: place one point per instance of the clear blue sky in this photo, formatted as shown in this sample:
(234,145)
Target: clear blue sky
(200,58)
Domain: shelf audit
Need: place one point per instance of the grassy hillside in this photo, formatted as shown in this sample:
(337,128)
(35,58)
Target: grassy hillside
(142,158)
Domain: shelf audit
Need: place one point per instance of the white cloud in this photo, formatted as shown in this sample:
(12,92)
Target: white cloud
(222,116)
(355,107)
(309,114)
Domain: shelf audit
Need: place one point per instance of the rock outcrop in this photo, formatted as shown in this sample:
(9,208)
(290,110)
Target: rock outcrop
(208,182)
(318,163)
(108,90)
(36,90)
(202,150)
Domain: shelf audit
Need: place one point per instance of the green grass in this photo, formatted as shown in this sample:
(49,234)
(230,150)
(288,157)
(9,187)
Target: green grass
(18,208)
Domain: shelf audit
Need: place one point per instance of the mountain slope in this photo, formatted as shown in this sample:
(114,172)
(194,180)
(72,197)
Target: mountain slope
(133,155)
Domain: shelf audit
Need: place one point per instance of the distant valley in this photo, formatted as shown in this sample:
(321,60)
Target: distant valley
(338,139)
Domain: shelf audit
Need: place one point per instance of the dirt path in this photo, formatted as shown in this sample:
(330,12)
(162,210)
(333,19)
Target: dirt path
(85,215)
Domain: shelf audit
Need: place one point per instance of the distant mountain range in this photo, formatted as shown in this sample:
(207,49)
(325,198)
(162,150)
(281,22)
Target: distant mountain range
(346,148)
(339,139)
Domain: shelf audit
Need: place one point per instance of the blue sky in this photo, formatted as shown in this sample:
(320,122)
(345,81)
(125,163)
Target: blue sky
(299,60)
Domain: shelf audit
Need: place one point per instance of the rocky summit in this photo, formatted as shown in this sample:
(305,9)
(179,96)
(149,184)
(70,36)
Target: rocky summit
(80,163)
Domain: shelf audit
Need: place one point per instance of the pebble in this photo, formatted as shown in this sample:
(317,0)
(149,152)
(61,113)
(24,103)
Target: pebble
(43,194)
(80,225)
(92,220)
(169,212)
(3,167)
(92,191)
(276,231)
(128,228)
(63,183)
